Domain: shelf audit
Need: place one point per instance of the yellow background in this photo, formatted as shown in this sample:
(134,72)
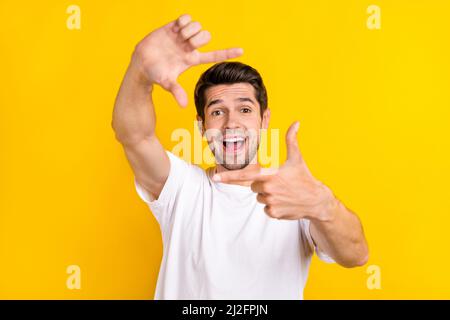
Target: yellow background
(375,126)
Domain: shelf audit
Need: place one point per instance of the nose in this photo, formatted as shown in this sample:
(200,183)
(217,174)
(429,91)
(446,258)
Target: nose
(232,121)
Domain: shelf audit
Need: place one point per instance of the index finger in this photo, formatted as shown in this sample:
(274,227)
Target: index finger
(220,55)
(243,175)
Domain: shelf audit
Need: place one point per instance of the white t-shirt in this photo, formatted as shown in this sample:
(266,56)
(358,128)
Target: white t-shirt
(218,243)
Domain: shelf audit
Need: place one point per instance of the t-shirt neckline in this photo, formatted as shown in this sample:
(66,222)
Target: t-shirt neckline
(228,187)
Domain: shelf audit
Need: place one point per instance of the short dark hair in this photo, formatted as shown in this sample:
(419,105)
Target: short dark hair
(229,73)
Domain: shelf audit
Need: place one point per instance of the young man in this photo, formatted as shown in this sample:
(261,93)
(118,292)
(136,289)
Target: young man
(234,231)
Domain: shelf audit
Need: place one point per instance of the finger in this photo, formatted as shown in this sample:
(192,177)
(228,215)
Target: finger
(245,175)
(259,187)
(269,171)
(190,30)
(238,175)
(270,211)
(181,22)
(220,55)
(261,198)
(293,152)
(280,212)
(200,39)
(179,94)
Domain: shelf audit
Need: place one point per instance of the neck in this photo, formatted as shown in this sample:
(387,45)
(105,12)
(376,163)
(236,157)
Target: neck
(250,167)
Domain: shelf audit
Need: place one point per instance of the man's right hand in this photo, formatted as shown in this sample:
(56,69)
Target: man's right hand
(168,51)
(159,58)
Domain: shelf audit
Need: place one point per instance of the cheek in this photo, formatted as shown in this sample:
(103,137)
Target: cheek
(253,128)
(253,136)
(253,121)
(214,122)
(212,131)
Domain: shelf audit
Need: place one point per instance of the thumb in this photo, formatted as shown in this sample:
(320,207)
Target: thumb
(293,153)
(178,93)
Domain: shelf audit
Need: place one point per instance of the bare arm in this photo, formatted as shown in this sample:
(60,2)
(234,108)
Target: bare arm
(292,193)
(134,125)
(158,59)
(340,234)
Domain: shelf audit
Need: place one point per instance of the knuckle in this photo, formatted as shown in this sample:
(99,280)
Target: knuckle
(270,211)
(270,200)
(193,41)
(196,25)
(266,187)
(164,81)
(184,33)
(259,198)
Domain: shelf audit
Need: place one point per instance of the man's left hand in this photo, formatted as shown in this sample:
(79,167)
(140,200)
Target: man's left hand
(290,191)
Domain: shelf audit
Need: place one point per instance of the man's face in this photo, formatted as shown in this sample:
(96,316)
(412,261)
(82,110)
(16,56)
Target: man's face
(232,123)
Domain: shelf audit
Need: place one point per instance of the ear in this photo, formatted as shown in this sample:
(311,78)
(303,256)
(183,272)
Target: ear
(265,119)
(200,125)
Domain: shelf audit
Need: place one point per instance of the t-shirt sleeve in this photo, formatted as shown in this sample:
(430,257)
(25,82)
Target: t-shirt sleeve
(305,225)
(163,207)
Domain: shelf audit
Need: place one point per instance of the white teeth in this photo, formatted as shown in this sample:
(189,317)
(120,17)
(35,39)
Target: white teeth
(233,140)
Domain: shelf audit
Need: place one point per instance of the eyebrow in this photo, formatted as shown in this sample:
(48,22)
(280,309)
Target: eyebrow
(241,99)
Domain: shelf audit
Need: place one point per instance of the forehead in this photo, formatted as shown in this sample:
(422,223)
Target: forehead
(230,91)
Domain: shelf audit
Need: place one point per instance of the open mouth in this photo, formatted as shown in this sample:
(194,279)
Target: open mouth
(233,144)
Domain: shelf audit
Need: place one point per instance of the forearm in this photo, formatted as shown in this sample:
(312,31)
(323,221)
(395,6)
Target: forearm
(134,115)
(340,234)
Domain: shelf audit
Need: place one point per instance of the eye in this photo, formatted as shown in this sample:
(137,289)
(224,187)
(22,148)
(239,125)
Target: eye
(216,113)
(246,110)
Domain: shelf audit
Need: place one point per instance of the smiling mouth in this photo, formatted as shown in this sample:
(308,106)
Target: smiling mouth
(233,145)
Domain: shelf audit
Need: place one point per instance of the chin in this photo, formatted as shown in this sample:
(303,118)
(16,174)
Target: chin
(234,166)
(233,162)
